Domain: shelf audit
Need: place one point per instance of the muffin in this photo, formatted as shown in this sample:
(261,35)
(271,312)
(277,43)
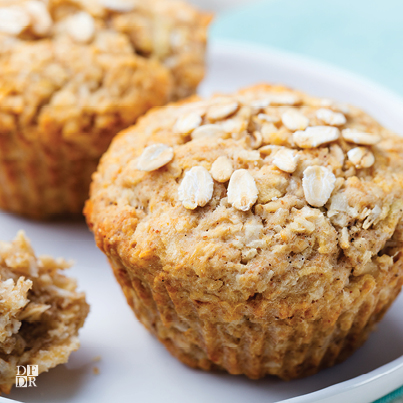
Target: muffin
(72,74)
(259,232)
(41,311)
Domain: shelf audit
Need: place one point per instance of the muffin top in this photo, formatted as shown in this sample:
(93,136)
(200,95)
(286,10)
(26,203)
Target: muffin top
(264,194)
(81,67)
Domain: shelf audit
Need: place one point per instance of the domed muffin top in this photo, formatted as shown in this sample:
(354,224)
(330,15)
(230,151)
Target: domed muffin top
(254,193)
(83,67)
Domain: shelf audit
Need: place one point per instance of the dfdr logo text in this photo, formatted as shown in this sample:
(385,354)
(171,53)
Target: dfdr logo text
(26,376)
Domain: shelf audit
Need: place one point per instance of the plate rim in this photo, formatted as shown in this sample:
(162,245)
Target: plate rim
(394,369)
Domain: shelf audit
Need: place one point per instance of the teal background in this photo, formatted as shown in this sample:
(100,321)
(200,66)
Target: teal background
(362,36)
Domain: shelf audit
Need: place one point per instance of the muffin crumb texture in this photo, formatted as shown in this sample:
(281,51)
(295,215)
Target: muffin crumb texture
(40,308)
(270,242)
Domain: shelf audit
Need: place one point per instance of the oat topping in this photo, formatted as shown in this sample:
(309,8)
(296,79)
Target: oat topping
(313,137)
(196,188)
(81,27)
(248,156)
(222,169)
(294,120)
(119,5)
(276,100)
(41,20)
(222,110)
(187,123)
(207,130)
(361,157)
(284,99)
(270,134)
(154,157)
(242,190)
(268,118)
(255,140)
(268,149)
(286,160)
(338,153)
(357,137)
(331,118)
(260,103)
(234,126)
(318,183)
(13,20)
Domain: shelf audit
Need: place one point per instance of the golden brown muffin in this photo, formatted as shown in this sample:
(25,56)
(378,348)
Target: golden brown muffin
(75,72)
(40,308)
(258,232)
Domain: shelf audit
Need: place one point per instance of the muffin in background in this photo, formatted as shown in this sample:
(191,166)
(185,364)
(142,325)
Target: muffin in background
(40,308)
(72,74)
(259,232)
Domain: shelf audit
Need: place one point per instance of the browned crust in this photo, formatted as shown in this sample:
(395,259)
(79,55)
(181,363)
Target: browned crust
(328,336)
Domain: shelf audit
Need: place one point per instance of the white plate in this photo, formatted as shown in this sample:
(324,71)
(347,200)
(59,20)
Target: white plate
(134,366)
